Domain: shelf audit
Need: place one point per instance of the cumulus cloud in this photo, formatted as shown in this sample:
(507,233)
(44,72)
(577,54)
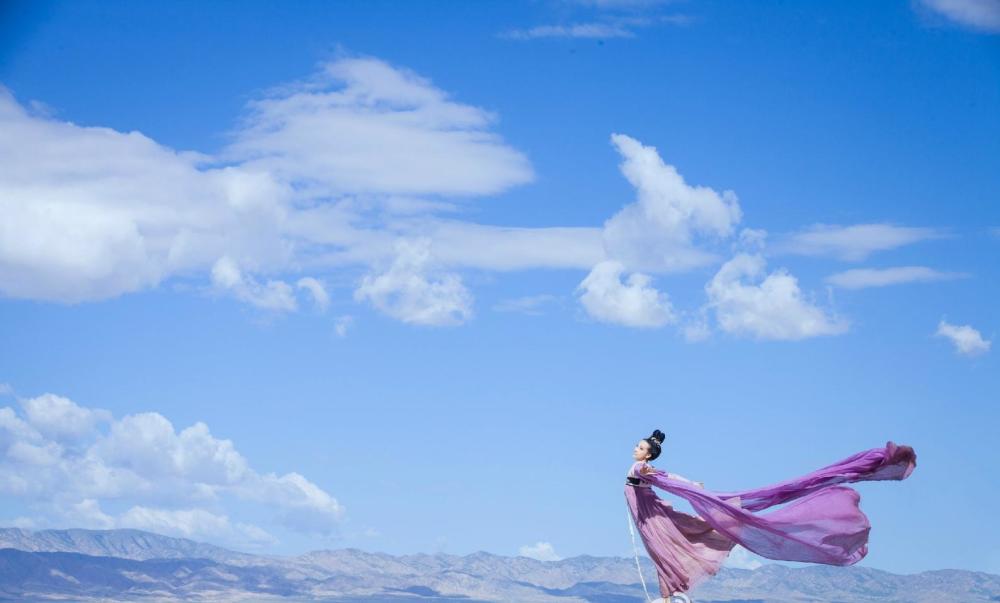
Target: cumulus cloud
(658,231)
(60,418)
(632,303)
(852,243)
(675,226)
(983,15)
(69,463)
(860,278)
(542,551)
(772,307)
(967,340)
(413,290)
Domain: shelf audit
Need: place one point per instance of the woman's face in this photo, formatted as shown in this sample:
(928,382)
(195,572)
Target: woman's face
(641,451)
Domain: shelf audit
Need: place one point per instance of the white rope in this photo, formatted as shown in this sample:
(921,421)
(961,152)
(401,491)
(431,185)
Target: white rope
(631,530)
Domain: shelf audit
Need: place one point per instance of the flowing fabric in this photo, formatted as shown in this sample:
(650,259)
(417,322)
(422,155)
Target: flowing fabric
(821,524)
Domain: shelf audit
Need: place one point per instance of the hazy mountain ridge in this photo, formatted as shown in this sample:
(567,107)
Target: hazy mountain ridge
(124,543)
(137,565)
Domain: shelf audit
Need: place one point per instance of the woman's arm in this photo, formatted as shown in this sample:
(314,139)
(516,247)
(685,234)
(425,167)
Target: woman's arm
(680,477)
(647,469)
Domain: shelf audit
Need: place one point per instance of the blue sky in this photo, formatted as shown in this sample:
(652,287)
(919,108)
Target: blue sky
(416,277)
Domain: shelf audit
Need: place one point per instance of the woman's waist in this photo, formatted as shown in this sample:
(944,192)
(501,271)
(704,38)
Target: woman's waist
(635,481)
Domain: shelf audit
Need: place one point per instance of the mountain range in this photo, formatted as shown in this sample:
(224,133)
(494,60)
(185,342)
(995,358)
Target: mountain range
(134,565)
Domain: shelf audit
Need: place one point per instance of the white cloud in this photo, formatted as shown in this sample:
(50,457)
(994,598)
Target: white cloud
(633,303)
(351,168)
(542,551)
(414,291)
(621,21)
(861,278)
(773,308)
(597,30)
(272,295)
(320,175)
(66,461)
(657,232)
(316,289)
(967,340)
(854,242)
(978,14)
(59,418)
(91,213)
(363,126)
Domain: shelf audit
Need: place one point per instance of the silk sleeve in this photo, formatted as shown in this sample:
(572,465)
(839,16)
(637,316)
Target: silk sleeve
(679,477)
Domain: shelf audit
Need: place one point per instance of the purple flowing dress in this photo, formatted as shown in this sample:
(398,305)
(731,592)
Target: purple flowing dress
(821,524)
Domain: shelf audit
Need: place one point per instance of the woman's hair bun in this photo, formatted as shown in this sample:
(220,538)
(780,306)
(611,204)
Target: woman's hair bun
(657,436)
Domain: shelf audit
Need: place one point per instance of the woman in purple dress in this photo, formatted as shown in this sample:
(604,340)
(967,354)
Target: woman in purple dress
(822,524)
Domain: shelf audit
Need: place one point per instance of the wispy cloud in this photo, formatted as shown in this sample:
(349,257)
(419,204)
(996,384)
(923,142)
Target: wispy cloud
(861,278)
(272,295)
(602,27)
(982,15)
(573,30)
(853,243)
(320,297)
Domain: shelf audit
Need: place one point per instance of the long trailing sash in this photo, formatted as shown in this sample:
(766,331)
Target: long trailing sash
(822,522)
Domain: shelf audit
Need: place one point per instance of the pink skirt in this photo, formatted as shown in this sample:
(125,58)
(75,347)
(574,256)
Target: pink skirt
(685,549)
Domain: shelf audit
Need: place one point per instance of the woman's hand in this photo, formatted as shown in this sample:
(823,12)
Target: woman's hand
(646,469)
(701,485)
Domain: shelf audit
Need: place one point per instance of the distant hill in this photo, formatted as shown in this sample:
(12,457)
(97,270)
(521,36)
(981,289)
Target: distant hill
(131,565)
(127,544)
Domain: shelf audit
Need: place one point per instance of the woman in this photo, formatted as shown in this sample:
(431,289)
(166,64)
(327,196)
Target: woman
(822,523)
